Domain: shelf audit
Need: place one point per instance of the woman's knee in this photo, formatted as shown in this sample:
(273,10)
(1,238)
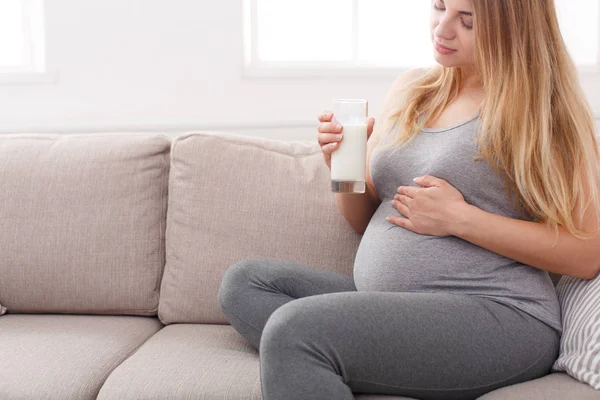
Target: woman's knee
(235,278)
(298,322)
(284,324)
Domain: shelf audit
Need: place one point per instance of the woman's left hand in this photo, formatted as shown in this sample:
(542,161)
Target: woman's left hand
(434,208)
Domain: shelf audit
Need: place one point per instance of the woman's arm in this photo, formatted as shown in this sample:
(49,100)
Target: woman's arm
(438,208)
(533,243)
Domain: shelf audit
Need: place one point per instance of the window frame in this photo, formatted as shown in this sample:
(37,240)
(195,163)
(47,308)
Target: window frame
(33,70)
(253,67)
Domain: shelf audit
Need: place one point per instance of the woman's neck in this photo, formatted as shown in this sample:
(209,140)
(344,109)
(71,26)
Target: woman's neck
(470,79)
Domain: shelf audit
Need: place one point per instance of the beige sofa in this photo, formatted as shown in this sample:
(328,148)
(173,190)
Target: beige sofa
(113,246)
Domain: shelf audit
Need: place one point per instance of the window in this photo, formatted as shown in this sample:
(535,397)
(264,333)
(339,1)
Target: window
(22,52)
(374,35)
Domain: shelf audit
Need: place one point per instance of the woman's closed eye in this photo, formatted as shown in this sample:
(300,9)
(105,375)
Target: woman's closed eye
(465,25)
(440,7)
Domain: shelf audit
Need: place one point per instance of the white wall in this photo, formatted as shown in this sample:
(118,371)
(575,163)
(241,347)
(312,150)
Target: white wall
(169,65)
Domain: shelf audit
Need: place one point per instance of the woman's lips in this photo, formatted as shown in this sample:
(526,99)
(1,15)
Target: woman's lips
(443,49)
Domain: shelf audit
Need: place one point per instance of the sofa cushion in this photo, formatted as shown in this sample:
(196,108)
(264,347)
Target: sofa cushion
(579,354)
(556,386)
(188,361)
(65,356)
(192,361)
(82,221)
(233,198)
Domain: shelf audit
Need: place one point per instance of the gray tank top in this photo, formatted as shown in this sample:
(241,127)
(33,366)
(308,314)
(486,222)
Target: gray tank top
(394,259)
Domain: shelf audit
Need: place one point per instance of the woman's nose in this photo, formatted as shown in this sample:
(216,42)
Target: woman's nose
(444,30)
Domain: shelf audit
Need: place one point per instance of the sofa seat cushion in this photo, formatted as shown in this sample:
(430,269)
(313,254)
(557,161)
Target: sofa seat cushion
(555,386)
(192,361)
(188,361)
(65,356)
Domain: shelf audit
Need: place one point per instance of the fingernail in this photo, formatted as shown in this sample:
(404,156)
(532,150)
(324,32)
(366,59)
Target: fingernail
(338,128)
(339,135)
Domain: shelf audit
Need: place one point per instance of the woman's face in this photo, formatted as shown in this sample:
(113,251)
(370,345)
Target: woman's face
(452,33)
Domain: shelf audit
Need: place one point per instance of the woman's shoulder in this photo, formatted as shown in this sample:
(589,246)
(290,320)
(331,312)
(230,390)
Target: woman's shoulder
(409,76)
(403,81)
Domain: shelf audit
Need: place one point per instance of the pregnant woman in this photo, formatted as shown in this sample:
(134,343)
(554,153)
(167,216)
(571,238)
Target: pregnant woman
(451,296)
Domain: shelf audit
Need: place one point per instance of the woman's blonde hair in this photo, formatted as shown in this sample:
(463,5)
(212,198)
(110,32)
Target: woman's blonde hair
(537,129)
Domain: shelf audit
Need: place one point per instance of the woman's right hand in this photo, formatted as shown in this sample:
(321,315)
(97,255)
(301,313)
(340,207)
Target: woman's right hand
(330,134)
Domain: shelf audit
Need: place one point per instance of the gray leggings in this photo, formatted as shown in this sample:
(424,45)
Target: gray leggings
(319,338)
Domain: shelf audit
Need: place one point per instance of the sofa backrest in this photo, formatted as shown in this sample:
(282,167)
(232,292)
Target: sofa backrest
(233,198)
(82,221)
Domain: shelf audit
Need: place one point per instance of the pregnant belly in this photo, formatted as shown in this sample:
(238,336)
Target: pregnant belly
(392,258)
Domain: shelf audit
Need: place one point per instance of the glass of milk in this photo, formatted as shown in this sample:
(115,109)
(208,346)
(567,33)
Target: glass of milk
(349,160)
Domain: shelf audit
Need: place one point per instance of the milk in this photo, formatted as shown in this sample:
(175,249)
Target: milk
(349,160)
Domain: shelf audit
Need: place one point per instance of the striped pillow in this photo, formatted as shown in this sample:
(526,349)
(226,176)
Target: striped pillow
(580,342)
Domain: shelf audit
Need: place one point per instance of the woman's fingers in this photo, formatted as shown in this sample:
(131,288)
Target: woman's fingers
(370,126)
(329,127)
(326,138)
(325,116)
(329,148)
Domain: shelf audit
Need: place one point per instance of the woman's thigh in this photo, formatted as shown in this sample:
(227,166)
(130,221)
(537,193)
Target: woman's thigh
(252,289)
(282,276)
(423,345)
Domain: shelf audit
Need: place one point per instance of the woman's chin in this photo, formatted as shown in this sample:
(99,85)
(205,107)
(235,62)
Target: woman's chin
(444,64)
(443,60)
